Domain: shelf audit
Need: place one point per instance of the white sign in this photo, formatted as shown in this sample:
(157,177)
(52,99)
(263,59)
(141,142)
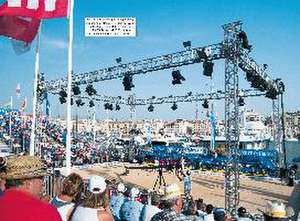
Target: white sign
(110,27)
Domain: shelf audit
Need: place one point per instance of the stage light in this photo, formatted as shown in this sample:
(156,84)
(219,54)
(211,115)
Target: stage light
(72,101)
(174,107)
(151,108)
(79,102)
(90,90)
(63,93)
(76,89)
(127,82)
(245,43)
(119,60)
(177,77)
(281,87)
(62,100)
(271,92)
(241,101)
(205,104)
(91,103)
(202,54)
(106,106)
(118,107)
(187,44)
(208,68)
(189,93)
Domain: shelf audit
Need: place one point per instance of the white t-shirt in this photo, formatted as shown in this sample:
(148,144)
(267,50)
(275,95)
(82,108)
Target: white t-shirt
(65,210)
(209,217)
(149,212)
(85,214)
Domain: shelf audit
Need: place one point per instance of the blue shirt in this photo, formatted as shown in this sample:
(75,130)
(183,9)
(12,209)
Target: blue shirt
(131,211)
(115,204)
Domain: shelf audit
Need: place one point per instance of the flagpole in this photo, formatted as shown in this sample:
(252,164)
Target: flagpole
(70,70)
(34,100)
(11,106)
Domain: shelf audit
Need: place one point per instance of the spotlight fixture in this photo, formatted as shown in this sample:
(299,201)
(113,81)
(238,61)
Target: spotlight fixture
(90,90)
(245,43)
(208,68)
(62,100)
(151,108)
(117,107)
(119,60)
(202,54)
(127,82)
(79,103)
(241,101)
(76,89)
(271,92)
(63,93)
(205,104)
(91,103)
(72,101)
(177,77)
(189,93)
(174,107)
(187,44)
(108,106)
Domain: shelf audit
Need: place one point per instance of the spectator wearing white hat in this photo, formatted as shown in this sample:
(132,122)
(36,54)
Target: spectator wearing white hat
(116,201)
(173,203)
(131,209)
(95,207)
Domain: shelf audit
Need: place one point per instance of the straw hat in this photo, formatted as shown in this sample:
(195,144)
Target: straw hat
(277,209)
(172,191)
(24,167)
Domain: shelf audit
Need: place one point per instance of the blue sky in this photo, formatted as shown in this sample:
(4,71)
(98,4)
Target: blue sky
(272,27)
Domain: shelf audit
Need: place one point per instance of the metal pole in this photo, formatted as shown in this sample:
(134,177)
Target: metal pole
(70,70)
(10,137)
(34,100)
(283,131)
(94,127)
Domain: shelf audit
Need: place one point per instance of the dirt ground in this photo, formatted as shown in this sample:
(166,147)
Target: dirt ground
(210,186)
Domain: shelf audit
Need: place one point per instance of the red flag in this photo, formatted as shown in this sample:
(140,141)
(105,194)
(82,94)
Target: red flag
(35,8)
(24,104)
(19,28)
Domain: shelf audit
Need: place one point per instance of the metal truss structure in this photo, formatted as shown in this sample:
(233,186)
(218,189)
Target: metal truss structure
(235,55)
(232,129)
(219,95)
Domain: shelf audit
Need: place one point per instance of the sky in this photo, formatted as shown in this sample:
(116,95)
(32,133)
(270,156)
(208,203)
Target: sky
(272,27)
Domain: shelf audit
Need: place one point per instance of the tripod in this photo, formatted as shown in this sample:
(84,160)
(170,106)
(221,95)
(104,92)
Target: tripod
(160,180)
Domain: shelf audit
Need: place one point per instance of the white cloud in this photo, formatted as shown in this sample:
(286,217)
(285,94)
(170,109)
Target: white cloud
(55,43)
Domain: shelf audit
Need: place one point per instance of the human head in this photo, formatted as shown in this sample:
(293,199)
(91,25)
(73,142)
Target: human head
(276,210)
(97,193)
(209,208)
(172,197)
(121,188)
(134,192)
(155,199)
(242,212)
(72,186)
(219,215)
(25,173)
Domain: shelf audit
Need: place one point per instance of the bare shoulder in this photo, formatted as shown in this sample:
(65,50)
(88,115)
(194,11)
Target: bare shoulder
(104,215)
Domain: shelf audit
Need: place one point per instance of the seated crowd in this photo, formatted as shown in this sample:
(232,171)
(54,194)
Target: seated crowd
(21,182)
